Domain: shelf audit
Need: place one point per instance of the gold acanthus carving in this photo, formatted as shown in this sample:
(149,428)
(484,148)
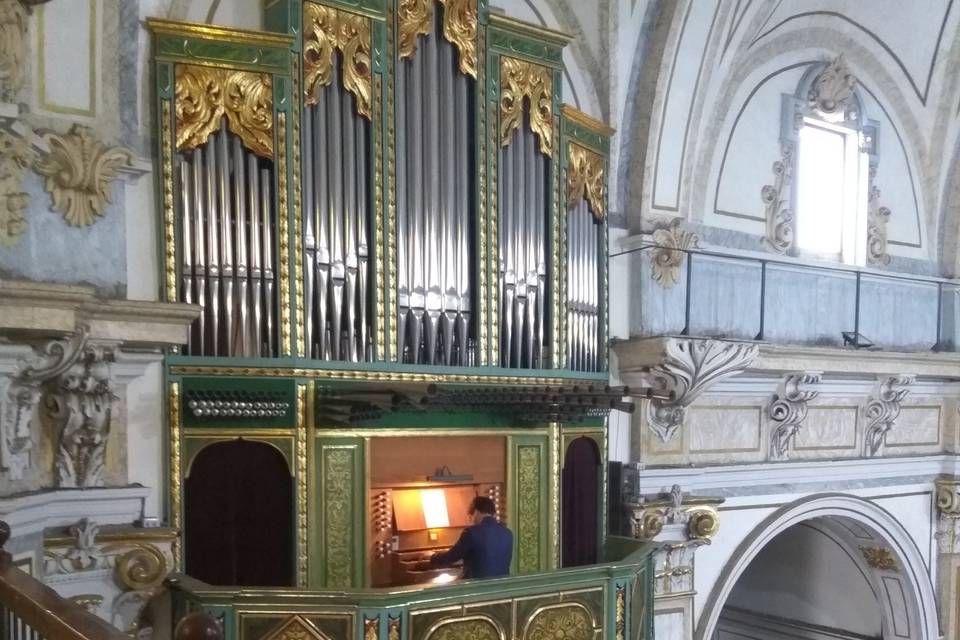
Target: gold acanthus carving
(326,30)
(469,628)
(585,179)
(205,95)
(78,171)
(16,156)
(371,628)
(460,19)
(295,628)
(13,48)
(520,80)
(880,558)
(621,619)
(569,621)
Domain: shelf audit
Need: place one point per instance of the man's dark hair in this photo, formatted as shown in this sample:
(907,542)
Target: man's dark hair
(483,505)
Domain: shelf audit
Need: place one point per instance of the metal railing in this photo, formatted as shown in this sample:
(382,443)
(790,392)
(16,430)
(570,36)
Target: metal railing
(858,274)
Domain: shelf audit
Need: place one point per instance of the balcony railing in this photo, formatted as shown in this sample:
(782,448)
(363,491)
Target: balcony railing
(609,601)
(727,295)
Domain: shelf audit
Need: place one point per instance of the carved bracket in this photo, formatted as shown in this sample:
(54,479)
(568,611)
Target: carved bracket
(788,409)
(20,396)
(687,369)
(881,412)
(668,256)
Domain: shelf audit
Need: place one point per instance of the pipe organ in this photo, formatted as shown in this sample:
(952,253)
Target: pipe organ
(396,182)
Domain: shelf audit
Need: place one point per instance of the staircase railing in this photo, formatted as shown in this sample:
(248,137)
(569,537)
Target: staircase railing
(30,610)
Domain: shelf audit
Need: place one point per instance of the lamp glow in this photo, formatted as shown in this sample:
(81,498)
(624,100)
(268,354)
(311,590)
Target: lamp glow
(444,578)
(435,508)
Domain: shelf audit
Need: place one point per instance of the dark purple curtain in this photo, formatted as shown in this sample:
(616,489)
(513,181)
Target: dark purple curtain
(581,486)
(238,520)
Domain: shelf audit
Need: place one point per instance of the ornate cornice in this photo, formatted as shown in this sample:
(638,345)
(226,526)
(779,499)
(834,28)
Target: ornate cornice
(585,179)
(520,79)
(680,369)
(788,409)
(881,412)
(667,258)
(206,95)
(326,30)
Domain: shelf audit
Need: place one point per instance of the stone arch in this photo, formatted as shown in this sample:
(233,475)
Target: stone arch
(859,524)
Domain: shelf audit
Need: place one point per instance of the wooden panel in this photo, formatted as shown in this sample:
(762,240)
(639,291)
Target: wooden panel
(395,461)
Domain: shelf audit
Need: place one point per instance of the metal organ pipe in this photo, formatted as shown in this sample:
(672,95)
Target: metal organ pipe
(583,289)
(434,188)
(226,246)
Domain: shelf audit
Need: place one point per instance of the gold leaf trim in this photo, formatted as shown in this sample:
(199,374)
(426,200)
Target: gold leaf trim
(325,30)
(585,179)
(460,20)
(78,171)
(520,79)
(414,19)
(204,95)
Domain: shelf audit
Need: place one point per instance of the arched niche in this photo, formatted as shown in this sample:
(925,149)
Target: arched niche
(873,541)
(238,515)
(581,499)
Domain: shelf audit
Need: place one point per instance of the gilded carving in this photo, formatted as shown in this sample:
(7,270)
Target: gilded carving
(295,628)
(205,95)
(832,89)
(142,567)
(877,219)
(78,171)
(169,214)
(880,558)
(621,614)
(414,19)
(327,30)
(776,199)
(585,179)
(393,629)
(16,156)
(302,487)
(521,80)
(338,516)
(788,409)
(528,509)
(471,628)
(176,479)
(687,368)
(881,412)
(568,621)
(13,48)
(283,241)
(460,28)
(667,258)
(371,628)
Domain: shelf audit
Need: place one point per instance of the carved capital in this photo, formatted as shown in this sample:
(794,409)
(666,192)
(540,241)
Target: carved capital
(788,409)
(881,412)
(668,256)
(686,517)
(687,368)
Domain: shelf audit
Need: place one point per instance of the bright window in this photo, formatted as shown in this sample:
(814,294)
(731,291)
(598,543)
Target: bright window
(831,193)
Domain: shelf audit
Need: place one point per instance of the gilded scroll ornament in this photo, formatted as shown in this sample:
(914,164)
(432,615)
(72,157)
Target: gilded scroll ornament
(414,19)
(13,47)
(204,95)
(326,30)
(15,157)
(585,179)
(569,621)
(460,28)
(338,514)
(667,258)
(880,558)
(142,567)
(78,171)
(520,79)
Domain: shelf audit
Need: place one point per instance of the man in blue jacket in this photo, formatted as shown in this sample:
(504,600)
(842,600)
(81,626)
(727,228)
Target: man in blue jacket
(485,548)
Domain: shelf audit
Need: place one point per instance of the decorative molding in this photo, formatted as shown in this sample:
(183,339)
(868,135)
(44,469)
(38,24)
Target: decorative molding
(673,568)
(326,30)
(880,558)
(78,171)
(414,19)
(520,79)
(476,627)
(16,155)
(529,474)
(666,260)
(948,508)
(568,620)
(687,368)
(295,628)
(881,412)
(203,96)
(371,628)
(460,20)
(697,517)
(877,219)
(82,402)
(13,48)
(831,92)
(620,621)
(393,628)
(788,409)
(776,198)
(585,179)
